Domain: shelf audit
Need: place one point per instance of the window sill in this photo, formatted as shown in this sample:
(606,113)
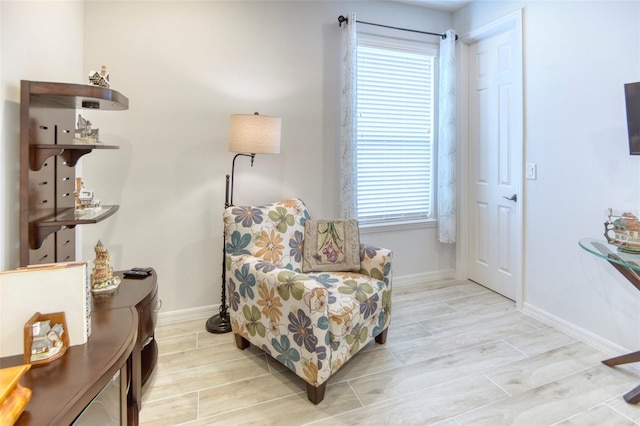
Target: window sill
(371,228)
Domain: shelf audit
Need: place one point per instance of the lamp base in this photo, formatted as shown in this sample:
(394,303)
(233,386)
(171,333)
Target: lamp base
(218,324)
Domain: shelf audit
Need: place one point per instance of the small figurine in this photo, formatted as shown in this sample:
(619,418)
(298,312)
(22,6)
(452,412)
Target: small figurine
(84,133)
(102,278)
(85,198)
(623,232)
(100,78)
(46,340)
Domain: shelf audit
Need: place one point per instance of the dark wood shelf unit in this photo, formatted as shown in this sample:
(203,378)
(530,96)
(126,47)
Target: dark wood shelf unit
(48,156)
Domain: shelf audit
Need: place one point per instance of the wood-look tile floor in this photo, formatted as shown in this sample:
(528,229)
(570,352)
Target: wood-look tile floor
(456,354)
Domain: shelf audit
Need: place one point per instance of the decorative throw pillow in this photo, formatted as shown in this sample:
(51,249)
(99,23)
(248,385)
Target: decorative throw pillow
(331,245)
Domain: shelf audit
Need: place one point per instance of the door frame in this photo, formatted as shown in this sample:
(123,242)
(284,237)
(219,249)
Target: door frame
(510,21)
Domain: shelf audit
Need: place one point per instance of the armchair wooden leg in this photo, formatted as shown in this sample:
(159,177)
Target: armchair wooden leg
(241,342)
(316,394)
(382,337)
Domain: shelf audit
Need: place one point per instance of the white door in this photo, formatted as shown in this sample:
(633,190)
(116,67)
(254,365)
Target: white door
(495,161)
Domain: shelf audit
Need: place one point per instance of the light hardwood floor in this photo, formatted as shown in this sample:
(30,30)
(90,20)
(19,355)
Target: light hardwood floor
(456,354)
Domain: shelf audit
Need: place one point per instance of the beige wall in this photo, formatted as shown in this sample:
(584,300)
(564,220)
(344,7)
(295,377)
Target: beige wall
(185,67)
(39,41)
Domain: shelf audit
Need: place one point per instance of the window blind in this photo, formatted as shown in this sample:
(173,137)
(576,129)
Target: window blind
(395,92)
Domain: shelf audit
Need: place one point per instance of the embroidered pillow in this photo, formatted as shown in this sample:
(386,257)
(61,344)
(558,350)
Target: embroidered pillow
(331,245)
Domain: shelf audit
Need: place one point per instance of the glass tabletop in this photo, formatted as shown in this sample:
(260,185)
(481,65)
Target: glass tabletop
(611,253)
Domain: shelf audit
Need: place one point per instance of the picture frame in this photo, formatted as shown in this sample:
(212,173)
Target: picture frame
(46,338)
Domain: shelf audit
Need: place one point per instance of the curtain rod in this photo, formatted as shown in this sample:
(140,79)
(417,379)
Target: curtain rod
(342,19)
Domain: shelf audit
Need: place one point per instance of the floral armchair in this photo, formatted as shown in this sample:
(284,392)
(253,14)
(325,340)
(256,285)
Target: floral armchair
(310,322)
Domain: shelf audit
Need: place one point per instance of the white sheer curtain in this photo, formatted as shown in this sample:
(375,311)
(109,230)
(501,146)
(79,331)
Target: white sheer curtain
(348,199)
(446,166)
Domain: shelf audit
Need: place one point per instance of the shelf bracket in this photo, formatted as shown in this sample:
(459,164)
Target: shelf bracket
(38,234)
(37,157)
(72,156)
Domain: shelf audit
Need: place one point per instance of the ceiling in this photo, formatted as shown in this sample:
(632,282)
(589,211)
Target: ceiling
(446,5)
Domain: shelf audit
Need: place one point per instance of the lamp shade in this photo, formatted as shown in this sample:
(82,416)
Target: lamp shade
(253,133)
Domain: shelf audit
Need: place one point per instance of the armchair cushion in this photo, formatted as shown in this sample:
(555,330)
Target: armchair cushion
(331,245)
(311,323)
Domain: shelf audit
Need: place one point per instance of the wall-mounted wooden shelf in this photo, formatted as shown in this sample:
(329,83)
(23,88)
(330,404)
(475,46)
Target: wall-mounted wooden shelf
(39,154)
(42,228)
(48,156)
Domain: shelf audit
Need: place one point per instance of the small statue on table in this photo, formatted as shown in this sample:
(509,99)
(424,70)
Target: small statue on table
(623,232)
(102,278)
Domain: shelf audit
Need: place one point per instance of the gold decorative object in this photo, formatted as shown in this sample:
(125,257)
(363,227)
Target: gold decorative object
(102,278)
(623,232)
(13,396)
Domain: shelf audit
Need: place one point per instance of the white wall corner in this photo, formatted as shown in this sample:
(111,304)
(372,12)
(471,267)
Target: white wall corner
(573,330)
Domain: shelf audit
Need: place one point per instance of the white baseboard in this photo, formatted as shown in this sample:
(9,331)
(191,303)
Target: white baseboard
(423,277)
(204,312)
(573,330)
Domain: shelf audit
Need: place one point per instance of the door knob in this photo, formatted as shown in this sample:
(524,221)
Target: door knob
(514,198)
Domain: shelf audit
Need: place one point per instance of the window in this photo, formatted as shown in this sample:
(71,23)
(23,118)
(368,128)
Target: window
(395,104)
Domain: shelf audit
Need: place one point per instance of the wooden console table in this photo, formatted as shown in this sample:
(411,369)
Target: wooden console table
(143,294)
(62,389)
(628,264)
(122,339)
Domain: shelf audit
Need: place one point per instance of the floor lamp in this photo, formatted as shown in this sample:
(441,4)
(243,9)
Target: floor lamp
(249,134)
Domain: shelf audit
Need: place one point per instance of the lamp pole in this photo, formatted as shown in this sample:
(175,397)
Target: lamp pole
(221,323)
(248,133)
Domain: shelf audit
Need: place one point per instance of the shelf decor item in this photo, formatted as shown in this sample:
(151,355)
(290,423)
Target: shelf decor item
(99,78)
(85,198)
(102,278)
(249,134)
(85,134)
(623,232)
(45,338)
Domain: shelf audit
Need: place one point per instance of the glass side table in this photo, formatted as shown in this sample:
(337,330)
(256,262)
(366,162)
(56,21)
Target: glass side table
(628,264)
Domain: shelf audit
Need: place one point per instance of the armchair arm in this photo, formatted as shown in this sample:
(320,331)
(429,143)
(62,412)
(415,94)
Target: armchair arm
(376,262)
(283,312)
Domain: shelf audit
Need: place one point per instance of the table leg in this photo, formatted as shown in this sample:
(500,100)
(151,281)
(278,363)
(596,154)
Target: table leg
(623,359)
(633,396)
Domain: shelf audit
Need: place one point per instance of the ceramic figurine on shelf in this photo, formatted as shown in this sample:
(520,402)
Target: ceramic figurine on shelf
(85,198)
(102,278)
(100,78)
(84,133)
